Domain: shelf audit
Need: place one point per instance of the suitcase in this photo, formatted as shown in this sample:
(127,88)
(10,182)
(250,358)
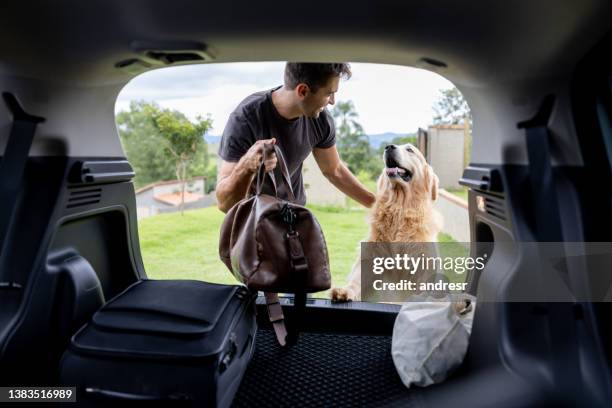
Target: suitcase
(164,341)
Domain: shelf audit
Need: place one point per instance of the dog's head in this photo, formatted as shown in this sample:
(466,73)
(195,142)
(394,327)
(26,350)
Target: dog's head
(407,169)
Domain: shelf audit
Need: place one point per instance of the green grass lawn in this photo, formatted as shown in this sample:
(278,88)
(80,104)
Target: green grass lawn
(187,246)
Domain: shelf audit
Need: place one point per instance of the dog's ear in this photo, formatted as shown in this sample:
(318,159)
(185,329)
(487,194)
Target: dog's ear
(434,188)
(382,183)
(433,183)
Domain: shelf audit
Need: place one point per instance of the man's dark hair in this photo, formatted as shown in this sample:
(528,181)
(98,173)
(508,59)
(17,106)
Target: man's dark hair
(314,75)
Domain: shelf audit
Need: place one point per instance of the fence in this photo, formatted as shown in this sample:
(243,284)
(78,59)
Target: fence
(456,215)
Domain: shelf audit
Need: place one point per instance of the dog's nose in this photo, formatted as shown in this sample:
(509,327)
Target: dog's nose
(389,147)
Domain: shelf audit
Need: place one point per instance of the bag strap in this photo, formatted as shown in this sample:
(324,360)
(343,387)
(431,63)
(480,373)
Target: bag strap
(261,176)
(282,164)
(299,268)
(284,188)
(275,314)
(267,132)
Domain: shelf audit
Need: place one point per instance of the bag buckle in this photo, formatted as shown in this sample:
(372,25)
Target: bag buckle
(275,312)
(300,266)
(289,217)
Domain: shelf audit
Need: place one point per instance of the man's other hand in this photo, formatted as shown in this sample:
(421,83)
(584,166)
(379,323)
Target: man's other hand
(252,158)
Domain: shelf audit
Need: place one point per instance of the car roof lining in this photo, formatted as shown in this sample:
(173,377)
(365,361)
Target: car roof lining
(503,56)
(480,41)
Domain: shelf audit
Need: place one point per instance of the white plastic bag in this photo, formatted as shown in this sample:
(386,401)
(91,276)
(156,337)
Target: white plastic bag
(430,339)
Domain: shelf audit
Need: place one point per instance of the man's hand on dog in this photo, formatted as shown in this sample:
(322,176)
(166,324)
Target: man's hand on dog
(252,158)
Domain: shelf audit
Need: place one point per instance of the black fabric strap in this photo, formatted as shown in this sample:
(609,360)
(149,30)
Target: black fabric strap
(299,308)
(13,161)
(544,193)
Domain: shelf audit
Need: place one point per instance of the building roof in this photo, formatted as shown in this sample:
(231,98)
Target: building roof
(166,182)
(447,126)
(175,198)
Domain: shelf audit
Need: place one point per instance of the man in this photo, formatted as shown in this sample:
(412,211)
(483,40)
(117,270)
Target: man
(293,116)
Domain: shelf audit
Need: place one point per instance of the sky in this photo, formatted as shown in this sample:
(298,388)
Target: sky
(388,98)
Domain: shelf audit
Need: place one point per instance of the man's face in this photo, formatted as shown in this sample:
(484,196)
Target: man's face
(313,103)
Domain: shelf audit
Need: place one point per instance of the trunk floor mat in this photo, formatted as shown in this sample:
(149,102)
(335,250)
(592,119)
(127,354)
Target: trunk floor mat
(323,370)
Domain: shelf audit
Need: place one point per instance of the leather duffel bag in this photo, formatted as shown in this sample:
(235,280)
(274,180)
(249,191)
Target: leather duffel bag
(274,245)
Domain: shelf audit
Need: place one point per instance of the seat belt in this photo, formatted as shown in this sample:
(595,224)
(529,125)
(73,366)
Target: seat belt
(543,191)
(13,162)
(562,321)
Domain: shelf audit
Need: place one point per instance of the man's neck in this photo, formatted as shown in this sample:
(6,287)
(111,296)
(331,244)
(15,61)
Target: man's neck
(282,99)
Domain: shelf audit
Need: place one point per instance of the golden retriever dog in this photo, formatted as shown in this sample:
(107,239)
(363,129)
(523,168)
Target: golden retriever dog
(403,211)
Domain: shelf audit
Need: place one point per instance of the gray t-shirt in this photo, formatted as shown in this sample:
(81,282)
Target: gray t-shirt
(256,118)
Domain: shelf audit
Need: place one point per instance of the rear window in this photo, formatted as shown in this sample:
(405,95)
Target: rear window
(379,105)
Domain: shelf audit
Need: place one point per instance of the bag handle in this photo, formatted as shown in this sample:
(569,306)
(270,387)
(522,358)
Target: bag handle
(261,175)
(285,186)
(283,168)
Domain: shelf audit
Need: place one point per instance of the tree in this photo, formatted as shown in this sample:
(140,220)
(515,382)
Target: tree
(211,175)
(141,142)
(451,108)
(145,146)
(353,143)
(356,151)
(346,117)
(184,141)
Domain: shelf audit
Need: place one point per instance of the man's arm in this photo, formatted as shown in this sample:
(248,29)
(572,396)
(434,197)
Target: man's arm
(234,178)
(340,176)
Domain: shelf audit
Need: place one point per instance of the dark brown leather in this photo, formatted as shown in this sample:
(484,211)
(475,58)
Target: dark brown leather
(257,247)
(272,244)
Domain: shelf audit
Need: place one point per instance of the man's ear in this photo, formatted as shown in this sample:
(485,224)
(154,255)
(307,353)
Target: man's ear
(302,90)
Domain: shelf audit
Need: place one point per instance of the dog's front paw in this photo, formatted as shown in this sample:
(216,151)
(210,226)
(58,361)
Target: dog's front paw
(342,295)
(463,306)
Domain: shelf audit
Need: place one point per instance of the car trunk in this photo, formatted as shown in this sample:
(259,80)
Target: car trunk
(343,358)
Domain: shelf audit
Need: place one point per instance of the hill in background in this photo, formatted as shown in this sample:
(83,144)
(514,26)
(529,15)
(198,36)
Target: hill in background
(375,140)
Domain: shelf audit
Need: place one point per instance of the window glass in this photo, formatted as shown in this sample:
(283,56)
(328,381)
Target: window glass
(379,105)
